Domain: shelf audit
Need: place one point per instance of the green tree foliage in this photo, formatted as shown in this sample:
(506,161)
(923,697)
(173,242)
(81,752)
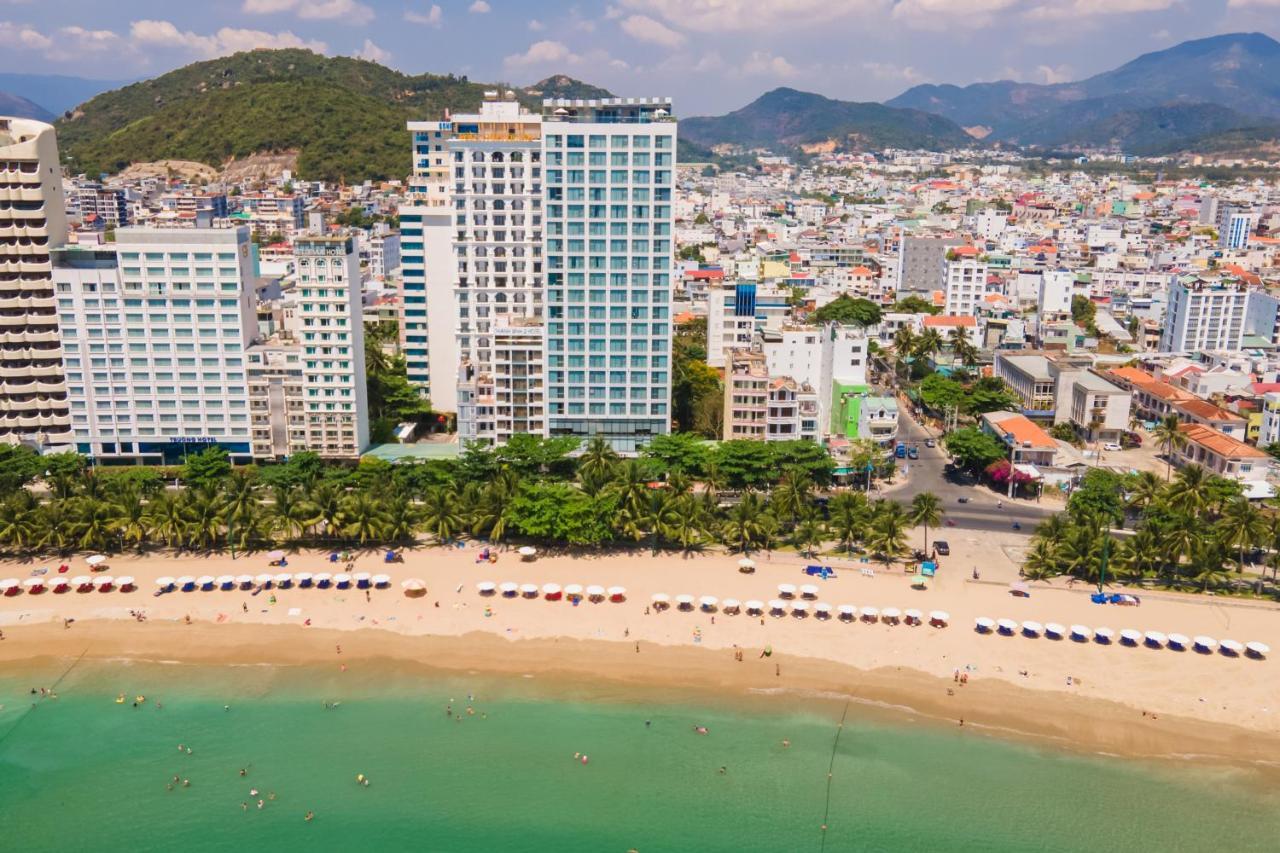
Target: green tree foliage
(697,394)
(989,394)
(1100,495)
(207,468)
(680,452)
(848,311)
(973,448)
(940,393)
(915,305)
(1084,312)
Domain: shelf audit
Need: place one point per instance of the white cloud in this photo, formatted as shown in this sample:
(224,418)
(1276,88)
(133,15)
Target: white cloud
(1077,9)
(644,28)
(543,52)
(433,17)
(1050,74)
(373,53)
(895,73)
(948,14)
(758,15)
(765,64)
(349,11)
(163,34)
(536,26)
(23,37)
(1241,4)
(479,8)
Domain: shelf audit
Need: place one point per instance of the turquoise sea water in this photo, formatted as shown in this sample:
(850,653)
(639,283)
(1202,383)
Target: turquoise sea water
(84,773)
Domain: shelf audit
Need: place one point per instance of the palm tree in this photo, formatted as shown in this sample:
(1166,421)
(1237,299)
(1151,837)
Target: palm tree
(810,533)
(747,523)
(132,522)
(1052,531)
(19,517)
(53,526)
(791,496)
(929,343)
(888,533)
(684,522)
(904,346)
(489,516)
(1147,488)
(1170,438)
(440,516)
(1138,556)
(1242,526)
(241,509)
(204,514)
(1179,540)
(289,512)
(849,511)
(326,499)
(1081,552)
(1041,562)
(93,523)
(597,458)
(1206,563)
(962,348)
(362,517)
(401,518)
(1189,493)
(167,518)
(926,511)
(631,485)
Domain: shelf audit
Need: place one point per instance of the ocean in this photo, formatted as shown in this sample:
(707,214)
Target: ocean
(83,772)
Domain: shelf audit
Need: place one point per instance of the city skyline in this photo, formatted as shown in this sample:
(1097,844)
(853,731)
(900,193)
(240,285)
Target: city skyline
(718,56)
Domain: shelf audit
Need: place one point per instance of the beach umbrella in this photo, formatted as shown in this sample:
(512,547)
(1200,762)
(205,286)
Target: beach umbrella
(1080,632)
(551,591)
(205,581)
(529,590)
(303,579)
(1103,635)
(1053,629)
(754,606)
(186,583)
(809,591)
(527,551)
(730,605)
(342,580)
(573,590)
(800,608)
(282,580)
(165,583)
(8,585)
(322,579)
(1130,636)
(381,581)
(777,606)
(822,610)
(1178,641)
(847,612)
(125,583)
(708,602)
(1230,647)
(413,584)
(786,590)
(684,601)
(1257,650)
(362,579)
(33,584)
(746,565)
(226,581)
(617,593)
(275,555)
(871,614)
(104,583)
(264,579)
(939,618)
(595,592)
(984,624)
(1007,626)
(913,616)
(95,560)
(486,587)
(1207,644)
(244,581)
(1154,638)
(509,588)
(58,584)
(1031,628)
(891,614)
(920,582)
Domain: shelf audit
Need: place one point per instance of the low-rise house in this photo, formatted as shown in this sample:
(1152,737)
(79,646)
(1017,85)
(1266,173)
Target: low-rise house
(1028,443)
(1221,454)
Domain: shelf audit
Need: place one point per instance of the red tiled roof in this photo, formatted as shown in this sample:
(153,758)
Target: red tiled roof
(1222,445)
(947,321)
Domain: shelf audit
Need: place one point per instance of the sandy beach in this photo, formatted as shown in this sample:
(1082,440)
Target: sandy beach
(1133,701)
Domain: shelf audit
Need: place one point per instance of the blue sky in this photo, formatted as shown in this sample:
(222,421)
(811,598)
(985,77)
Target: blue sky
(711,55)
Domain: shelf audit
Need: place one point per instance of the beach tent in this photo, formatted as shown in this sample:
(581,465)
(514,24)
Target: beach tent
(822,610)
(58,584)
(870,614)
(777,607)
(226,581)
(322,580)
(1053,629)
(684,601)
(847,612)
(1205,644)
(95,560)
(342,580)
(919,582)
(730,605)
(786,590)
(1231,648)
(244,581)
(660,600)
(529,590)
(34,584)
(573,590)
(800,609)
(165,583)
(746,565)
(1031,628)
(205,582)
(552,591)
(617,594)
(104,583)
(1130,637)
(282,581)
(809,591)
(10,586)
(124,583)
(595,593)
(303,579)
(275,555)
(891,615)
(1178,641)
(1103,635)
(754,607)
(1080,632)
(264,579)
(913,616)
(1007,626)
(708,603)
(413,587)
(939,618)
(1257,650)
(527,552)
(363,580)
(509,589)
(984,624)
(1154,639)
(486,587)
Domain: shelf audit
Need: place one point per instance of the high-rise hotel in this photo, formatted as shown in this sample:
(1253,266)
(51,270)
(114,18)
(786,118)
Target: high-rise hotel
(547,288)
(34,408)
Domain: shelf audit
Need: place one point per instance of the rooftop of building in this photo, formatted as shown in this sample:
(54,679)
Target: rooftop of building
(1035,366)
(1097,384)
(1021,429)
(1208,411)
(947,321)
(1216,442)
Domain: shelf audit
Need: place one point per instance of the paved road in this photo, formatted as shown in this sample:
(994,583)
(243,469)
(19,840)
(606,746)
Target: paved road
(927,474)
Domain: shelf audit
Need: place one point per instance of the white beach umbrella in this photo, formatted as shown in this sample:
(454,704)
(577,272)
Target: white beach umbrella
(786,590)
(809,591)
(527,551)
(1231,646)
(913,616)
(939,617)
(413,584)
(1081,632)
(95,560)
(58,583)
(186,581)
(1206,643)
(891,614)
(872,613)
(303,578)
(730,605)
(777,606)
(509,588)
(617,593)
(9,583)
(283,579)
(382,580)
(1129,635)
(104,581)
(1179,641)
(800,608)
(822,609)
(708,602)
(1032,627)
(125,582)
(362,576)
(341,579)
(551,589)
(1103,635)
(264,578)
(275,555)
(1258,650)
(746,564)
(984,623)
(82,583)
(684,600)
(1155,638)
(595,591)
(33,583)
(529,590)
(245,580)
(573,589)
(754,606)
(206,580)
(226,580)
(164,582)
(847,611)
(1053,629)
(486,587)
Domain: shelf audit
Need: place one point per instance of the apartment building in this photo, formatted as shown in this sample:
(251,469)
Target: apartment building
(761,407)
(335,404)
(965,282)
(276,398)
(922,263)
(1269,434)
(1235,225)
(1098,410)
(736,310)
(108,206)
(1205,314)
(1032,378)
(34,406)
(609,177)
(155,334)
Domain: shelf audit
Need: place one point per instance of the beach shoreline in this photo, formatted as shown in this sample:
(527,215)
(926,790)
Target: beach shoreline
(1135,702)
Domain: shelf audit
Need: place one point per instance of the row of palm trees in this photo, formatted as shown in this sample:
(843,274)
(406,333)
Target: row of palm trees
(1187,534)
(907,345)
(240,513)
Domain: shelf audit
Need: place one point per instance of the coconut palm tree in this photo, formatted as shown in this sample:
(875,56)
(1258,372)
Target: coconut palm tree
(93,523)
(962,348)
(1169,438)
(440,515)
(19,520)
(167,518)
(401,518)
(1041,562)
(1188,494)
(791,496)
(887,536)
(1052,531)
(904,347)
(684,522)
(747,523)
(597,458)
(362,518)
(1242,526)
(1081,551)
(631,485)
(810,533)
(326,499)
(1207,563)
(132,522)
(241,509)
(1147,488)
(289,512)
(1138,556)
(849,513)
(929,343)
(204,506)
(1179,541)
(926,511)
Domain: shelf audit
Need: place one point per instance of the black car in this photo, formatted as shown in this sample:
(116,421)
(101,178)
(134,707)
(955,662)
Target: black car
(942,547)
(962,500)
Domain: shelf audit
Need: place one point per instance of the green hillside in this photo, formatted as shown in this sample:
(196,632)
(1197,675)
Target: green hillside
(345,116)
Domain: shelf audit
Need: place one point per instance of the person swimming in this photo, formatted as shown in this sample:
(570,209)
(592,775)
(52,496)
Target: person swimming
(253,792)
(309,816)
(702,730)
(186,783)
(244,771)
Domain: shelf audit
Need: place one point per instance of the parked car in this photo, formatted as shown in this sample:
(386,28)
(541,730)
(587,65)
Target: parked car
(913,452)
(929,442)
(1111,445)
(1131,439)
(962,500)
(941,547)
